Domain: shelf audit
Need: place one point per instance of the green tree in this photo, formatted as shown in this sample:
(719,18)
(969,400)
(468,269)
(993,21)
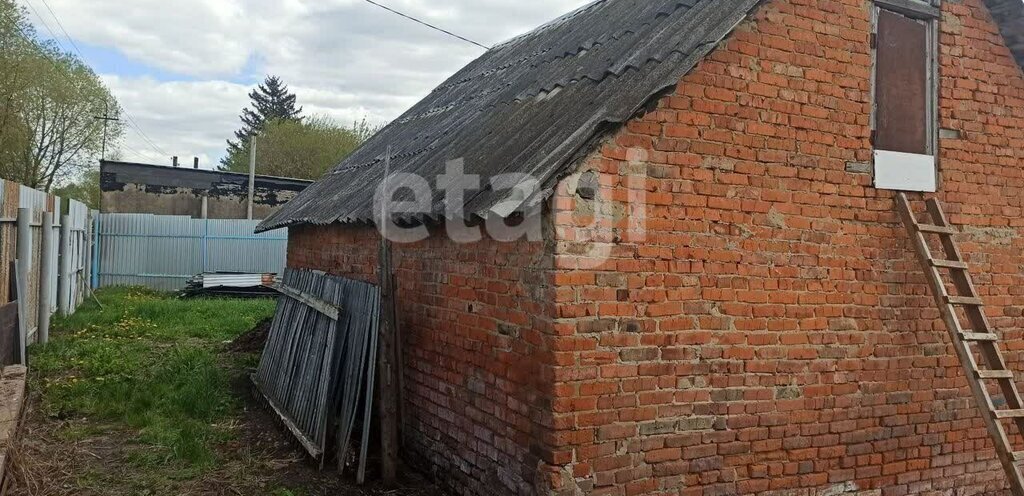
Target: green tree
(304,149)
(16,47)
(48,133)
(86,189)
(270,101)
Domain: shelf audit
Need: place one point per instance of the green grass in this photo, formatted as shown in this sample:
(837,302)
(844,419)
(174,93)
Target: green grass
(287,492)
(147,362)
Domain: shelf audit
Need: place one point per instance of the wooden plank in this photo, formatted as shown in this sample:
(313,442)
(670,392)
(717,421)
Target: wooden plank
(310,301)
(950,264)
(913,8)
(978,336)
(10,347)
(1005,414)
(933,229)
(994,374)
(965,300)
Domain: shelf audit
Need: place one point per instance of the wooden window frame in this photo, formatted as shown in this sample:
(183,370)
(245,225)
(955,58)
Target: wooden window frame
(924,10)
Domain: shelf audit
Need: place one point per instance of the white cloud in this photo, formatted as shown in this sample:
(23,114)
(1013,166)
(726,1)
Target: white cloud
(343,58)
(182,118)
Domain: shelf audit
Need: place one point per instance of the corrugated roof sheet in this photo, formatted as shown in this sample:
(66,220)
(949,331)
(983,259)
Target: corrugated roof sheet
(532,104)
(528,105)
(1009,14)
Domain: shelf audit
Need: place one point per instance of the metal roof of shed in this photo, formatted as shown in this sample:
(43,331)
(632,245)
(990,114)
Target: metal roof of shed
(528,105)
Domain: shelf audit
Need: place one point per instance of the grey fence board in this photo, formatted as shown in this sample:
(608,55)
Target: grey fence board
(163,251)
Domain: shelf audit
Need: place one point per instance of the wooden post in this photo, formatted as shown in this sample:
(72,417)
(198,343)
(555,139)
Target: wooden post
(387,368)
(23,264)
(87,256)
(64,281)
(95,265)
(252,174)
(12,293)
(46,278)
(22,299)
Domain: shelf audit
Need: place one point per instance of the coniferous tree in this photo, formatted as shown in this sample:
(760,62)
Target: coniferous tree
(270,101)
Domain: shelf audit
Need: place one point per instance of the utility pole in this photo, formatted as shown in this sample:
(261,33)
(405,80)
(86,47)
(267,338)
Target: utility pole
(252,172)
(107,119)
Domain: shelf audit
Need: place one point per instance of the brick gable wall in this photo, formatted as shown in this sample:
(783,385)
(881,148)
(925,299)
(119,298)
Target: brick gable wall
(773,333)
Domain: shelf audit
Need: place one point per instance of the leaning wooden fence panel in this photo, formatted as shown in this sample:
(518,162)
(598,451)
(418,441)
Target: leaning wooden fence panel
(317,366)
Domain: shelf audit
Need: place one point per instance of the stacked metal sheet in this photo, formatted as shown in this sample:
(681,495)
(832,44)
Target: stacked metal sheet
(230,284)
(318,363)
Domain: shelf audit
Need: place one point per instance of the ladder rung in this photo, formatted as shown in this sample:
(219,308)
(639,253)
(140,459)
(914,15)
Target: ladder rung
(965,300)
(930,228)
(1005,414)
(995,374)
(1017,456)
(979,336)
(950,264)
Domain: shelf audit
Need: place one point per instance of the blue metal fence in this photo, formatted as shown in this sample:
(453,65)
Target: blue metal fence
(163,251)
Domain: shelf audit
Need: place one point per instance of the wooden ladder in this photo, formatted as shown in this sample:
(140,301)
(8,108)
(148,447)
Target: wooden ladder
(979,333)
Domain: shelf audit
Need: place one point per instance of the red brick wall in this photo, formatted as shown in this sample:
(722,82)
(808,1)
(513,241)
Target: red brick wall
(773,333)
(476,321)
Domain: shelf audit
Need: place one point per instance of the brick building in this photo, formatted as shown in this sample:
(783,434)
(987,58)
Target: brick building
(129,188)
(722,299)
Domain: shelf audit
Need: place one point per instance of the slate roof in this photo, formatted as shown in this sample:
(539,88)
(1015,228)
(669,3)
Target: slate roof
(535,103)
(529,105)
(1009,15)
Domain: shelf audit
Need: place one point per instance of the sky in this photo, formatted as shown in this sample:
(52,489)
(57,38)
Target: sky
(182,69)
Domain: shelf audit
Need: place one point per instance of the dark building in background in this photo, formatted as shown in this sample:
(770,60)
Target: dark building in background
(154,189)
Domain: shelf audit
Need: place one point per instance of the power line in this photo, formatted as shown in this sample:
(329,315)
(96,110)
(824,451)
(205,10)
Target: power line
(134,151)
(60,25)
(431,26)
(132,124)
(138,129)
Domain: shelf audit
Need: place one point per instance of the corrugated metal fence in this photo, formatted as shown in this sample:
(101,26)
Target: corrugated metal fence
(163,251)
(77,242)
(23,214)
